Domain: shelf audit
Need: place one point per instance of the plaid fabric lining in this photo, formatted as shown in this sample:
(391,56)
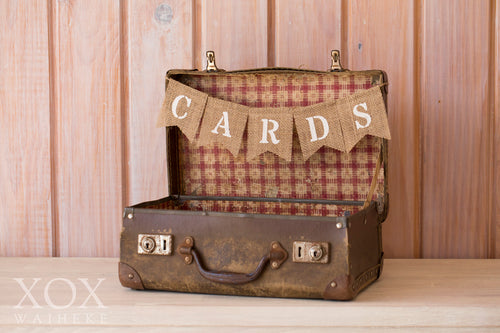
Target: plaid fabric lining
(327,174)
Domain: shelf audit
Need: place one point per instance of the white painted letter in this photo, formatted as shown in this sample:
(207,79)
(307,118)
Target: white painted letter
(223,123)
(27,293)
(312,127)
(92,293)
(271,131)
(363,115)
(49,300)
(174,106)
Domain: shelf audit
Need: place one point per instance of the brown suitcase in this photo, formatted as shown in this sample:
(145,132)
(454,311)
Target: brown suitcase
(305,228)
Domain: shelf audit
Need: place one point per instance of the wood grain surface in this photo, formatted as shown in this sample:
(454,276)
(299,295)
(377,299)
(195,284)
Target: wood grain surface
(81,83)
(25,131)
(395,21)
(422,295)
(158,37)
(87,131)
(297,33)
(235,30)
(495,98)
(455,129)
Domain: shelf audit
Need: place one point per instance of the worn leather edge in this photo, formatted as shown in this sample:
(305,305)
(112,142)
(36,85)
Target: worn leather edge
(339,289)
(174,72)
(129,277)
(345,287)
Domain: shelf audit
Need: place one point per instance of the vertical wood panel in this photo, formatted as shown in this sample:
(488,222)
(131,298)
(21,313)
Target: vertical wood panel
(87,132)
(496,113)
(235,30)
(455,129)
(159,37)
(381,36)
(25,182)
(306,32)
(75,154)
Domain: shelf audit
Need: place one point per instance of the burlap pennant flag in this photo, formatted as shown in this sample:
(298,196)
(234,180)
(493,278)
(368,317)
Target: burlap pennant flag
(183,107)
(224,122)
(270,130)
(337,124)
(317,126)
(361,114)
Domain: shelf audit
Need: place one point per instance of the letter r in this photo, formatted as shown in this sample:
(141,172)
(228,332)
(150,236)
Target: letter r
(265,131)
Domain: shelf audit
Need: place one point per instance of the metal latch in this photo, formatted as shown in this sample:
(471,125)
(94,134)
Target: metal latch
(336,65)
(155,244)
(310,252)
(211,66)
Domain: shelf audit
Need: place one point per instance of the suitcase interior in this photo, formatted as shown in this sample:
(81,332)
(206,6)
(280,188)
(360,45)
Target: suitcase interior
(329,183)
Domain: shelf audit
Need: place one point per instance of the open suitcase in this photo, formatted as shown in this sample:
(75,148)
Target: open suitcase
(238,221)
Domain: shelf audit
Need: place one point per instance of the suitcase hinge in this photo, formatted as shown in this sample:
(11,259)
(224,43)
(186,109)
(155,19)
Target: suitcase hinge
(336,65)
(211,66)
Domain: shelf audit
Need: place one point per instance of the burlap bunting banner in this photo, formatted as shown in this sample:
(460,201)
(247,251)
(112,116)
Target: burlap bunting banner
(317,126)
(224,123)
(183,107)
(338,124)
(270,130)
(361,114)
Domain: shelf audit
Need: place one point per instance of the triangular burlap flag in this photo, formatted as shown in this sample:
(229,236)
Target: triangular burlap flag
(361,114)
(318,125)
(270,130)
(224,122)
(183,107)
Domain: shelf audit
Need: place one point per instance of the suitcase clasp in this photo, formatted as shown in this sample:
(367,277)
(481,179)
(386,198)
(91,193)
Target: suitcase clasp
(211,66)
(336,66)
(155,244)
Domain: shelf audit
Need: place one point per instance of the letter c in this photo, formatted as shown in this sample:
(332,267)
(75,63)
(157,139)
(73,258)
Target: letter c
(174,106)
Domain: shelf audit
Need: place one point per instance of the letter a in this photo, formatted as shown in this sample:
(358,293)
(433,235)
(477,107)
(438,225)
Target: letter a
(223,123)
(174,106)
(363,115)
(312,127)
(271,131)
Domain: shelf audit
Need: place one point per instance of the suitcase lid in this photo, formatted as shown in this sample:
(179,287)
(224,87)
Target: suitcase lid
(327,178)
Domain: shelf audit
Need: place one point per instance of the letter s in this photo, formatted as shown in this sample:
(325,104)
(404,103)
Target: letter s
(363,115)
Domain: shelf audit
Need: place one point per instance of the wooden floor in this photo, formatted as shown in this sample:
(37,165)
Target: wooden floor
(84,294)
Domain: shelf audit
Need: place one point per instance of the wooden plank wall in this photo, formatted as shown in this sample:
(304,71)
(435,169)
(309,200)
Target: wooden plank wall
(25,130)
(81,83)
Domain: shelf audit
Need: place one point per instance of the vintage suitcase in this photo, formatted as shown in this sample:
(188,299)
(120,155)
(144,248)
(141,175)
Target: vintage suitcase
(239,221)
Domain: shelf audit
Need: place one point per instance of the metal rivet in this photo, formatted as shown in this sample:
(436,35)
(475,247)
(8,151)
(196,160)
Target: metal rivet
(275,264)
(333,284)
(188,241)
(130,216)
(186,259)
(275,246)
(131,276)
(339,225)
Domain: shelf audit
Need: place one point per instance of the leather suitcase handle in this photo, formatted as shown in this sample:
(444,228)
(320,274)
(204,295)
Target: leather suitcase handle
(277,255)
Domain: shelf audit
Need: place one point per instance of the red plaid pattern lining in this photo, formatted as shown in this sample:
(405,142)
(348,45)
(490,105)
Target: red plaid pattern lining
(327,174)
